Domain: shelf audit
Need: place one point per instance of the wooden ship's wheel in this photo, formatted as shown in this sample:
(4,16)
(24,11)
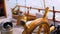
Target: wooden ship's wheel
(43,28)
(41,22)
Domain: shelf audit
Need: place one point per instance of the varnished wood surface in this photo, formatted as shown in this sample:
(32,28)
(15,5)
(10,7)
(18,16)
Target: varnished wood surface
(29,17)
(5,8)
(38,22)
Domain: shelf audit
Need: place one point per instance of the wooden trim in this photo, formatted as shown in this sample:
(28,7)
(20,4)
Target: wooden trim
(37,8)
(55,20)
(41,9)
(4,8)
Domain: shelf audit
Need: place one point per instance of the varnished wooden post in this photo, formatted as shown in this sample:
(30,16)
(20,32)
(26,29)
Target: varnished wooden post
(38,10)
(4,6)
(28,11)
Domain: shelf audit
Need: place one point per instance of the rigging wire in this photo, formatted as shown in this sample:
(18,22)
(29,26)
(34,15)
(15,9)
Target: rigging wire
(25,5)
(25,2)
(44,4)
(41,4)
(16,2)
